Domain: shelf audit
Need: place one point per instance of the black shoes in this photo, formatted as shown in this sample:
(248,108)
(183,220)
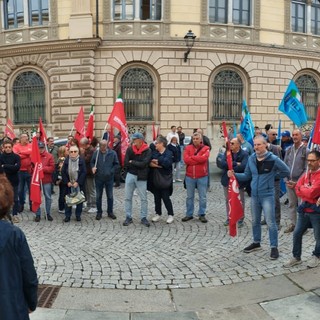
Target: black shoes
(253,247)
(127,222)
(274,254)
(203,219)
(145,222)
(78,218)
(98,216)
(66,219)
(49,217)
(37,219)
(187,218)
(112,216)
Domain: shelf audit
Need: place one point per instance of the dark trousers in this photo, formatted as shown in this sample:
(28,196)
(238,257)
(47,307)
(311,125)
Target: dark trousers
(305,221)
(62,194)
(15,207)
(108,186)
(162,194)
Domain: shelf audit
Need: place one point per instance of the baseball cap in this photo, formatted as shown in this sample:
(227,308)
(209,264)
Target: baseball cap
(305,138)
(41,144)
(285,133)
(137,135)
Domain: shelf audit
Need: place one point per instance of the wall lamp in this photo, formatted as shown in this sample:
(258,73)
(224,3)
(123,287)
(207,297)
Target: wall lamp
(189,39)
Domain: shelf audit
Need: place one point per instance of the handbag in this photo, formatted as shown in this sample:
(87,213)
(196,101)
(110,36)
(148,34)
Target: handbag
(75,198)
(161,181)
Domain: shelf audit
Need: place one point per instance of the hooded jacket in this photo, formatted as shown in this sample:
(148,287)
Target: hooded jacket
(263,176)
(18,277)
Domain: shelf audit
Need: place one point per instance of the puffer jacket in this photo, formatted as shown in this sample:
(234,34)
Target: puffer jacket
(263,177)
(196,160)
(48,166)
(18,277)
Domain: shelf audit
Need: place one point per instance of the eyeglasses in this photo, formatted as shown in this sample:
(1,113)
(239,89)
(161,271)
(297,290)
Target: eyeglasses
(312,160)
(73,151)
(274,134)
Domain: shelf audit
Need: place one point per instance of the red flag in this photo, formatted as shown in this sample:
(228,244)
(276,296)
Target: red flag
(110,138)
(8,131)
(79,125)
(316,131)
(43,135)
(117,119)
(37,175)
(154,132)
(89,132)
(235,205)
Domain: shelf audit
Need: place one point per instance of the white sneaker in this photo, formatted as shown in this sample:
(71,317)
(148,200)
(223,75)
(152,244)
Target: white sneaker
(170,219)
(314,262)
(156,218)
(61,211)
(85,205)
(173,180)
(15,219)
(92,210)
(293,262)
(135,193)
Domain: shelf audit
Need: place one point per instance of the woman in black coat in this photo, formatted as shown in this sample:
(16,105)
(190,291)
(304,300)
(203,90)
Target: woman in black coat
(161,160)
(18,277)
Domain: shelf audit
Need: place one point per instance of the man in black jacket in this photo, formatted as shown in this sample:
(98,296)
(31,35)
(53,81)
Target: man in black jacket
(10,165)
(136,162)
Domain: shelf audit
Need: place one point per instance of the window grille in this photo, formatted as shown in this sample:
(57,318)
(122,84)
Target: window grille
(28,98)
(137,93)
(309,91)
(227,95)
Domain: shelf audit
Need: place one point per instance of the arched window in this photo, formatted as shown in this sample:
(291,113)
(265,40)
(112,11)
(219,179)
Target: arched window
(227,95)
(309,91)
(137,93)
(28,98)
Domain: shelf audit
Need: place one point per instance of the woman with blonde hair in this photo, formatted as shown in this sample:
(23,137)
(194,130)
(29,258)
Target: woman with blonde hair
(18,277)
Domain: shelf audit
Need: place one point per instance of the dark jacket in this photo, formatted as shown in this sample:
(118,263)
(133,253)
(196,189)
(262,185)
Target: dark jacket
(87,156)
(106,165)
(240,157)
(81,173)
(10,165)
(18,277)
(139,165)
(176,152)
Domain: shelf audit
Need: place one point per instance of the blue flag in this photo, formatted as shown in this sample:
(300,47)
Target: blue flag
(292,106)
(246,126)
(279,133)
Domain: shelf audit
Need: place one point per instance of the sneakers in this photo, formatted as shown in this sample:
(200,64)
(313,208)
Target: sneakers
(49,217)
(61,211)
(156,218)
(186,218)
(263,222)
(170,219)
(92,210)
(112,216)
(289,228)
(178,180)
(293,262)
(226,223)
(203,219)
(314,262)
(15,219)
(145,222)
(253,247)
(37,219)
(98,216)
(274,254)
(127,222)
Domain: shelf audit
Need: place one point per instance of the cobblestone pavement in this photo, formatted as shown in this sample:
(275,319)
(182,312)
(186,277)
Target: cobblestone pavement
(105,254)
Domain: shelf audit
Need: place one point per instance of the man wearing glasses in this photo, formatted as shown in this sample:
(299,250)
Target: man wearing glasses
(196,157)
(308,189)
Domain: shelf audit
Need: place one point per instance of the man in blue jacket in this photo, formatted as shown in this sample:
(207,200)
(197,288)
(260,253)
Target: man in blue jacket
(262,168)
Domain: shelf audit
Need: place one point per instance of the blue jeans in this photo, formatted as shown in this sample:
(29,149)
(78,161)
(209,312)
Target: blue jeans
(131,184)
(201,184)
(267,204)
(46,189)
(108,186)
(24,181)
(305,221)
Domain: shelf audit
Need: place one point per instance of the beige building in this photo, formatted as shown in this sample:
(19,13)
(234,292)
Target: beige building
(58,55)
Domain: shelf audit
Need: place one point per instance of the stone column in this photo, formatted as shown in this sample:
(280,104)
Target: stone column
(81,22)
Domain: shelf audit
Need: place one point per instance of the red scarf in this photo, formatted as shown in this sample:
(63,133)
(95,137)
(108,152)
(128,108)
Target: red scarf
(143,147)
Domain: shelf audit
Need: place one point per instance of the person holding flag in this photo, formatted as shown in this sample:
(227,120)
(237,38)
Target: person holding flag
(48,167)
(239,162)
(261,168)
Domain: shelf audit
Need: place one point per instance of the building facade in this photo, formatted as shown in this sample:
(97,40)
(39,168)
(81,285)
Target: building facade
(58,55)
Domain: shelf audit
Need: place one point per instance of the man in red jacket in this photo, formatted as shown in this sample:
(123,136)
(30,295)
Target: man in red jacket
(308,189)
(196,157)
(23,149)
(48,167)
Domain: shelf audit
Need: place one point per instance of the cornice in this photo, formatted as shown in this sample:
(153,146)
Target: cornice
(212,46)
(49,46)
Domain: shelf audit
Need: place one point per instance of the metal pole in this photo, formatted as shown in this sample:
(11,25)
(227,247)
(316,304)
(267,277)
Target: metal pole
(97,18)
